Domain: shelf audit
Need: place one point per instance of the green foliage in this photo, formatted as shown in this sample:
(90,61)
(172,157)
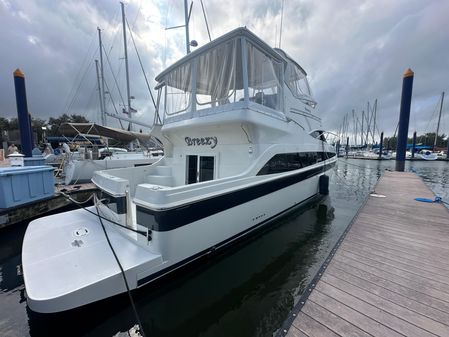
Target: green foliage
(4,124)
(37,124)
(426,139)
(55,123)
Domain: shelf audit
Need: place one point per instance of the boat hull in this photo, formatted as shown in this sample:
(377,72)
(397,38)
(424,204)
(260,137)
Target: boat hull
(188,242)
(80,171)
(68,263)
(62,273)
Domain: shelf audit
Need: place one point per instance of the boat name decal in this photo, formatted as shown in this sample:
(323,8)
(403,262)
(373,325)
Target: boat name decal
(212,141)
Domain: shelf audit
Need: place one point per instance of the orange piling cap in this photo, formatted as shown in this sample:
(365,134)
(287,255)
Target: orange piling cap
(409,73)
(18,73)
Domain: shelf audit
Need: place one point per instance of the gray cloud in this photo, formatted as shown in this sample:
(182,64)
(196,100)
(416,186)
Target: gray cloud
(353,51)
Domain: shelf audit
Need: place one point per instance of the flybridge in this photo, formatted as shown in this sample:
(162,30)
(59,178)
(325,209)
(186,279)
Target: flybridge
(235,71)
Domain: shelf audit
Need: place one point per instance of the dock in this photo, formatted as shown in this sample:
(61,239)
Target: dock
(389,273)
(13,215)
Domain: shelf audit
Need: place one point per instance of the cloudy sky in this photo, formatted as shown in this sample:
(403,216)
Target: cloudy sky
(353,51)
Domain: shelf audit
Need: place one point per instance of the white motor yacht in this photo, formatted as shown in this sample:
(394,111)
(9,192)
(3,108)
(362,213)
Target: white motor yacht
(428,155)
(238,126)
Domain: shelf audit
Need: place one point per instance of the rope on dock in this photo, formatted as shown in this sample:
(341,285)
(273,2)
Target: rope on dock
(437,200)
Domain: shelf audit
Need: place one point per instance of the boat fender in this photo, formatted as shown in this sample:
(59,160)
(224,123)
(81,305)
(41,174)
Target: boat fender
(323,184)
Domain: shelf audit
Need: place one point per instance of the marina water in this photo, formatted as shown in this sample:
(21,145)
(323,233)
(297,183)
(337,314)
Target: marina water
(245,291)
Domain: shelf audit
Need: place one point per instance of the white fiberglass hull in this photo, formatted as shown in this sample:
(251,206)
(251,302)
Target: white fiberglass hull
(63,270)
(79,171)
(430,156)
(61,274)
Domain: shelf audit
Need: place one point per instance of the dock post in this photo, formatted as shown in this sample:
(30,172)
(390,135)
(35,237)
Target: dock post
(404,117)
(447,152)
(414,145)
(22,113)
(381,144)
(347,146)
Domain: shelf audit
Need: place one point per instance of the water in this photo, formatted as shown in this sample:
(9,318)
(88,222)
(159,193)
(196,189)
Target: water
(246,291)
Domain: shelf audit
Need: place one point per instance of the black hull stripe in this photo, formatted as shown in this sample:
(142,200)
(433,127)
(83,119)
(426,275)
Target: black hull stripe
(166,220)
(221,245)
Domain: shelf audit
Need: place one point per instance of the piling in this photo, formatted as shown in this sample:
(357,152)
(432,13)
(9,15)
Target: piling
(404,117)
(447,152)
(22,113)
(347,146)
(381,144)
(414,144)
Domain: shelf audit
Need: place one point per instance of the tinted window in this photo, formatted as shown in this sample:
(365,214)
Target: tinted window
(206,168)
(192,162)
(284,162)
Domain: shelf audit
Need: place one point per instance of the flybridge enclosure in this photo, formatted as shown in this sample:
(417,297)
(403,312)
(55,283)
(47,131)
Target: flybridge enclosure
(237,68)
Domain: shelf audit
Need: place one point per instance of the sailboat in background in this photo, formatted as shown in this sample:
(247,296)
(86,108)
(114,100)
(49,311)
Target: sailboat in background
(80,168)
(432,155)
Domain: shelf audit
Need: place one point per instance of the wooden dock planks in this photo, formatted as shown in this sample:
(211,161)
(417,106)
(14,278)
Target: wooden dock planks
(390,274)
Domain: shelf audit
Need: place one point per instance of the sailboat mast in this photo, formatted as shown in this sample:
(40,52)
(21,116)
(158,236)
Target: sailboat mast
(102,94)
(439,119)
(126,65)
(99,90)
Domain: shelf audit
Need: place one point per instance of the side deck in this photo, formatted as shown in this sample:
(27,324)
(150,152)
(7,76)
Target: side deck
(389,275)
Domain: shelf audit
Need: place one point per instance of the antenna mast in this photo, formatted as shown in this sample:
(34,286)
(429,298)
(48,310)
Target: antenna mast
(282,18)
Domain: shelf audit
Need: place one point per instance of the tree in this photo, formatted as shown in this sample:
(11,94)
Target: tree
(13,124)
(36,126)
(78,119)
(4,126)
(55,123)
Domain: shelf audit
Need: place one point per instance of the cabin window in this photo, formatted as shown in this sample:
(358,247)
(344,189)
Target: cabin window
(284,162)
(264,78)
(178,89)
(200,168)
(219,78)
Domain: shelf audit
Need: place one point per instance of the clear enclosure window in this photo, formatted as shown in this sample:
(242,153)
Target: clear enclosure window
(178,89)
(297,81)
(219,76)
(264,78)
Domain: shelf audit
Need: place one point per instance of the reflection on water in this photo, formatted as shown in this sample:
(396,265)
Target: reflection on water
(245,291)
